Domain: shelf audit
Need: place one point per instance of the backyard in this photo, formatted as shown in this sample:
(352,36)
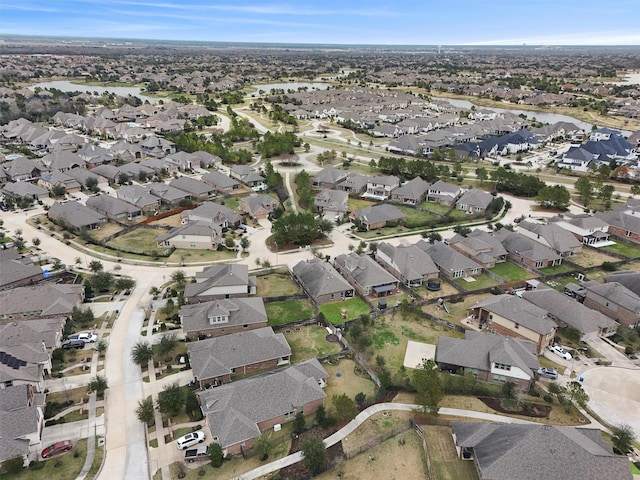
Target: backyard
(625,249)
(288,311)
(511,272)
(344,379)
(276,285)
(442,452)
(590,258)
(138,240)
(477,283)
(355,307)
(458,310)
(309,342)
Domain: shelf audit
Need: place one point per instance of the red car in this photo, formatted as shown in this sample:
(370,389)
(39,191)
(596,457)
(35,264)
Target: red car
(57,448)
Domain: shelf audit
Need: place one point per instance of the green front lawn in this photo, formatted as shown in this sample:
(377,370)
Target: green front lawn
(481,281)
(63,467)
(288,311)
(354,307)
(629,251)
(511,272)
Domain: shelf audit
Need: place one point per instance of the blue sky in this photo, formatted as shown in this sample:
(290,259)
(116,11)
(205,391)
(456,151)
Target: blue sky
(390,22)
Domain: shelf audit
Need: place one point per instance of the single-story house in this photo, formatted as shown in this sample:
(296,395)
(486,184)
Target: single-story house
(195,188)
(321,281)
(76,216)
(451,263)
(113,208)
(553,236)
(195,235)
(220,182)
(378,216)
(474,201)
(214,213)
(17,270)
(39,301)
(527,252)
(412,192)
(408,263)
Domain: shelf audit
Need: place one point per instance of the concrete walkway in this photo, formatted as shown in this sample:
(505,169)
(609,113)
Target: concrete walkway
(359,420)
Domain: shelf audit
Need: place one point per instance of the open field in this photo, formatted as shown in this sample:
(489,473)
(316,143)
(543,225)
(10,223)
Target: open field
(442,452)
(354,307)
(309,342)
(288,311)
(276,285)
(348,382)
(511,272)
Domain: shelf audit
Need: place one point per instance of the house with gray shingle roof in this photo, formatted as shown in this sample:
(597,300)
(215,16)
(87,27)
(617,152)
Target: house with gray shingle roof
(76,216)
(491,358)
(505,451)
(623,222)
(451,263)
(214,213)
(408,263)
(614,300)
(17,270)
(588,229)
(238,412)
(220,281)
(321,281)
(140,197)
(258,206)
(378,216)
(216,360)
(366,275)
(39,301)
(220,181)
(566,311)
(194,187)
(21,423)
(354,184)
(113,208)
(527,252)
(511,316)
(379,187)
(329,177)
(480,246)
(444,193)
(22,169)
(167,194)
(334,203)
(194,235)
(553,236)
(25,190)
(223,316)
(474,201)
(412,192)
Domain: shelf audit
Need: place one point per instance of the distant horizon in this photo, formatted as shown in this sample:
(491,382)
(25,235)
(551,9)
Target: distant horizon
(332,22)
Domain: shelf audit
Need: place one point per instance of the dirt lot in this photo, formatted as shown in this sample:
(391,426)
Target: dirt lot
(589,258)
(172,221)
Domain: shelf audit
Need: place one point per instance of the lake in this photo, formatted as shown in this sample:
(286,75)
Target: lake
(66,86)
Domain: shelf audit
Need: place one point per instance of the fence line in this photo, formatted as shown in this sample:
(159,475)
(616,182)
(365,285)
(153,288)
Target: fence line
(425,447)
(374,442)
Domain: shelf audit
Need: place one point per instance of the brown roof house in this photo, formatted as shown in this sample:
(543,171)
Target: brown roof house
(223,316)
(614,300)
(321,281)
(378,216)
(39,301)
(506,451)
(216,360)
(408,263)
(196,235)
(511,316)
(258,206)
(220,281)
(412,192)
(491,358)
(240,411)
(214,213)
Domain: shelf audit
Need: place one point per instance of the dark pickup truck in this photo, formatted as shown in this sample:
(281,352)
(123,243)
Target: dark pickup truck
(196,453)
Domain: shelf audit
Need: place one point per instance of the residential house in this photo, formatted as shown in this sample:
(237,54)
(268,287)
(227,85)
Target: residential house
(505,451)
(134,170)
(378,216)
(332,203)
(527,252)
(140,197)
(623,222)
(480,246)
(408,263)
(258,206)
(563,242)
(62,160)
(412,192)
(444,193)
(21,423)
(82,175)
(39,301)
(354,184)
(366,275)
(490,358)
(195,188)
(330,178)
(321,281)
(21,169)
(379,187)
(157,146)
(474,201)
(567,312)
(614,300)
(51,180)
(215,361)
(113,208)
(627,278)
(511,316)
(223,316)
(220,281)
(194,235)
(588,229)
(17,270)
(76,216)
(220,182)
(24,191)
(576,158)
(249,177)
(212,212)
(238,412)
(168,194)
(451,263)
(110,172)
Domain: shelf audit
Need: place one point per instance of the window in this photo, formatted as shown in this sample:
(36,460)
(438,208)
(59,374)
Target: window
(628,233)
(233,370)
(193,244)
(301,409)
(289,415)
(539,263)
(502,366)
(516,326)
(499,378)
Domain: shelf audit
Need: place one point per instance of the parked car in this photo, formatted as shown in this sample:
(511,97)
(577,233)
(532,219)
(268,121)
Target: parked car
(190,439)
(195,453)
(73,344)
(560,352)
(84,336)
(548,373)
(57,448)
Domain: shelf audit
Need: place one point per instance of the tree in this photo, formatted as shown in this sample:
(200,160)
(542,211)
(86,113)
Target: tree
(432,237)
(426,380)
(297,228)
(482,174)
(101,347)
(623,438)
(98,384)
(154,292)
(36,242)
(92,184)
(314,454)
(101,281)
(345,407)
(146,411)
(167,344)
(361,399)
(556,196)
(13,466)
(584,187)
(299,423)
(216,455)
(606,192)
(263,445)
(125,283)
(96,266)
(635,190)
(171,400)
(576,393)
(141,353)
(192,406)
(179,277)
(58,191)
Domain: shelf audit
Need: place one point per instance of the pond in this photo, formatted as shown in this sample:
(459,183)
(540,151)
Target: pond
(66,86)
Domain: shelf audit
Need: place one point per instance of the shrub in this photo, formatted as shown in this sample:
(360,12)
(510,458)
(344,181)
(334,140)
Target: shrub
(628,350)
(608,266)
(548,398)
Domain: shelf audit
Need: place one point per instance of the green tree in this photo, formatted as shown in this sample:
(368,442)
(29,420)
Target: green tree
(263,445)
(576,393)
(299,423)
(361,399)
(102,281)
(96,266)
(125,283)
(314,454)
(141,353)
(606,192)
(179,277)
(297,228)
(216,455)
(426,380)
(623,438)
(482,174)
(13,466)
(345,407)
(192,406)
(36,242)
(92,184)
(145,411)
(98,384)
(171,400)
(556,196)
(584,187)
(167,344)
(101,347)
(635,190)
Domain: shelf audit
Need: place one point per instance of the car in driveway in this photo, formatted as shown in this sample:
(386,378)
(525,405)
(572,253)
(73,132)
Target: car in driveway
(190,439)
(86,337)
(57,448)
(561,352)
(551,373)
(78,344)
